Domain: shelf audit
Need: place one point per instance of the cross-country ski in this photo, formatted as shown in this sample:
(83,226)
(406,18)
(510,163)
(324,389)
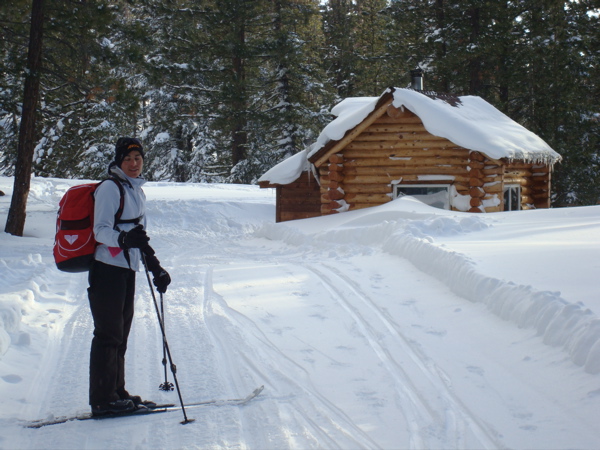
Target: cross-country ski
(145,411)
(88,416)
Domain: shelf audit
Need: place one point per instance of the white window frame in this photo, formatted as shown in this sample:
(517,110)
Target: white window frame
(508,189)
(398,193)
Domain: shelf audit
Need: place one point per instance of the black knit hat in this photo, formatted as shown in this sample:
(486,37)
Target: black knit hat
(124,146)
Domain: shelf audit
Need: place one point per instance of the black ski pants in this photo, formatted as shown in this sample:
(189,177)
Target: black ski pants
(111,294)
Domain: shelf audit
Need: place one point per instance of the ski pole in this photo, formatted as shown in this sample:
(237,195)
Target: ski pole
(167,385)
(166,344)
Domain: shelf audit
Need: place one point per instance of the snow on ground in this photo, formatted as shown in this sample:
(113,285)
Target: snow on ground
(401,326)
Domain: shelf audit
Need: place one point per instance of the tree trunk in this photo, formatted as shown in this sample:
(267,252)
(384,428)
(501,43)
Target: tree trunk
(441,48)
(288,135)
(475,78)
(239,135)
(15,223)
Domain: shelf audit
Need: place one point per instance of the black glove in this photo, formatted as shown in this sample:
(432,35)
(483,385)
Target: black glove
(161,276)
(161,280)
(134,238)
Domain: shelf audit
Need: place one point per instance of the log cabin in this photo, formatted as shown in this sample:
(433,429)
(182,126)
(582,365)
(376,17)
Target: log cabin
(457,153)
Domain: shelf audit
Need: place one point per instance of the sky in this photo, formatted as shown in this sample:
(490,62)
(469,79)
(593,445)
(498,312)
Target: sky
(395,327)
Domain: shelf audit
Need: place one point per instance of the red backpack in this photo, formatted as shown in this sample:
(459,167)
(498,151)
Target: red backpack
(74,243)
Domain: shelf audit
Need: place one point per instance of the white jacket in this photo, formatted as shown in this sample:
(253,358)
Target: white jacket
(107,199)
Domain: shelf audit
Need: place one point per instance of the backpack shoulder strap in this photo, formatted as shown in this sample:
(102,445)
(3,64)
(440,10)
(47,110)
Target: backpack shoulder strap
(122,199)
(119,212)
(122,204)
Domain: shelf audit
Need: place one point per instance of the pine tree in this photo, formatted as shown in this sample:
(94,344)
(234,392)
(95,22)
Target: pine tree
(340,59)
(370,48)
(14,31)
(409,33)
(86,104)
(291,91)
(229,51)
(563,38)
(15,222)
(172,92)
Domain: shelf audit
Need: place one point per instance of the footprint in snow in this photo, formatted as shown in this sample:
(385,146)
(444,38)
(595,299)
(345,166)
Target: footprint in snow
(476,370)
(13,379)
(24,339)
(593,394)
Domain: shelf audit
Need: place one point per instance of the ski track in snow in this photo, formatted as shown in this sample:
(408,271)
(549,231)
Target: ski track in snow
(457,419)
(252,358)
(456,427)
(243,356)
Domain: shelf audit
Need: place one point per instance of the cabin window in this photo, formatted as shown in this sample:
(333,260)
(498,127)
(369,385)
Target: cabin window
(436,195)
(512,197)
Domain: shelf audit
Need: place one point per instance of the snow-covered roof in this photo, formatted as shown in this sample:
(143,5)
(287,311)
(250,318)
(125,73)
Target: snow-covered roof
(469,122)
(476,125)
(288,170)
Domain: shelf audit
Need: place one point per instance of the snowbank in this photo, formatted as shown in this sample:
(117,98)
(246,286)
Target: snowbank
(10,303)
(10,317)
(407,229)
(572,327)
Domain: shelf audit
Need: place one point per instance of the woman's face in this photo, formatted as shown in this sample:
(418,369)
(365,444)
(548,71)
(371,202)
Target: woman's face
(132,164)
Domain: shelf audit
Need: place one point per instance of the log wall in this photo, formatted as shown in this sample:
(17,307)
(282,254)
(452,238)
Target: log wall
(362,169)
(396,148)
(486,183)
(534,180)
(299,199)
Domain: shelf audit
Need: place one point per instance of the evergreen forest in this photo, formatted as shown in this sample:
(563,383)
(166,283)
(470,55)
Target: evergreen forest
(221,91)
